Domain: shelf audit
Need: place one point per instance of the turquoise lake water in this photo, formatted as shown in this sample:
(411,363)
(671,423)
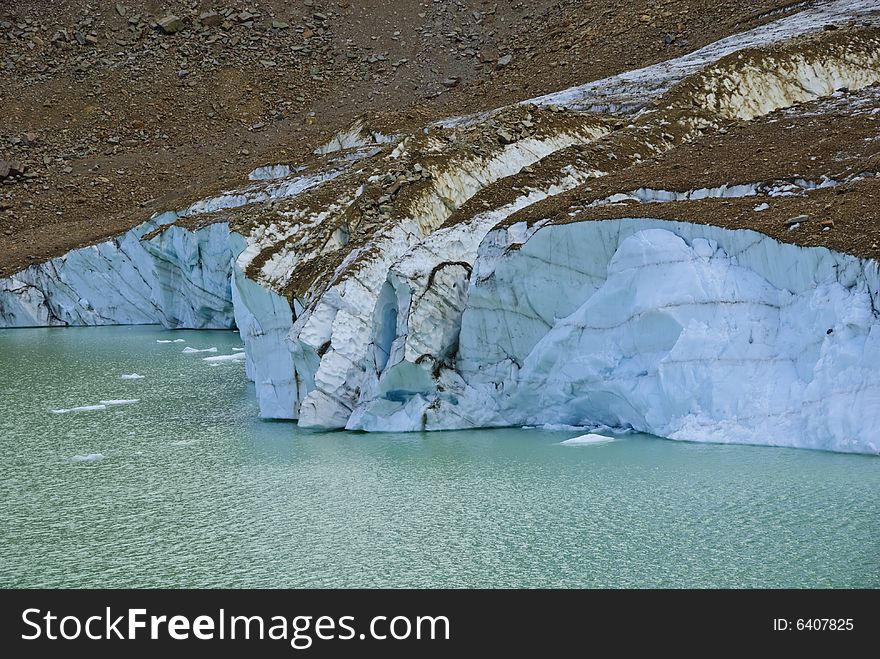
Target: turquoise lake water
(193,490)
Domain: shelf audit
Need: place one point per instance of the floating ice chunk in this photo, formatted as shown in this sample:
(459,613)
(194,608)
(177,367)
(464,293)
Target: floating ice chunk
(190,351)
(761,207)
(588,439)
(120,401)
(89,457)
(170,340)
(81,408)
(238,349)
(237,357)
(131,376)
(561,426)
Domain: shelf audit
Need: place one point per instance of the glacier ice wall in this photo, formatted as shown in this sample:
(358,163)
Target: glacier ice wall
(331,338)
(685,331)
(264,320)
(192,270)
(178,278)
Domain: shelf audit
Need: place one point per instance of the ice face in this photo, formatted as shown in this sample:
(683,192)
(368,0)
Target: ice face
(684,331)
(264,320)
(179,279)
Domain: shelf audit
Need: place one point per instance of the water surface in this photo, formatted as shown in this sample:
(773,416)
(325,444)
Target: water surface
(193,490)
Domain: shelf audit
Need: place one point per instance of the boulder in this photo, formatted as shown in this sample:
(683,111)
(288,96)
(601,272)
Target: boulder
(170,24)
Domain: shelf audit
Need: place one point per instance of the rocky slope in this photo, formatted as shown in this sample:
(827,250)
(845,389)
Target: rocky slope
(115,119)
(687,249)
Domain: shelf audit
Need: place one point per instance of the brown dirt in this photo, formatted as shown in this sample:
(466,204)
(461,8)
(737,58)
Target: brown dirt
(127,121)
(838,138)
(852,210)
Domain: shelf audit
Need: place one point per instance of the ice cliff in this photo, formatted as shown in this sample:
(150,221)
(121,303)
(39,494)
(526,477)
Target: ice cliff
(179,279)
(156,273)
(685,331)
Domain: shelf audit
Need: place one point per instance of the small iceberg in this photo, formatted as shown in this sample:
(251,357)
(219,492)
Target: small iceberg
(190,351)
(89,457)
(587,440)
(120,401)
(82,408)
(237,357)
(238,349)
(170,340)
(131,376)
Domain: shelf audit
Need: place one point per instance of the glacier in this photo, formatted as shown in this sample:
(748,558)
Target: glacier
(680,330)
(386,287)
(631,91)
(178,278)
(685,331)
